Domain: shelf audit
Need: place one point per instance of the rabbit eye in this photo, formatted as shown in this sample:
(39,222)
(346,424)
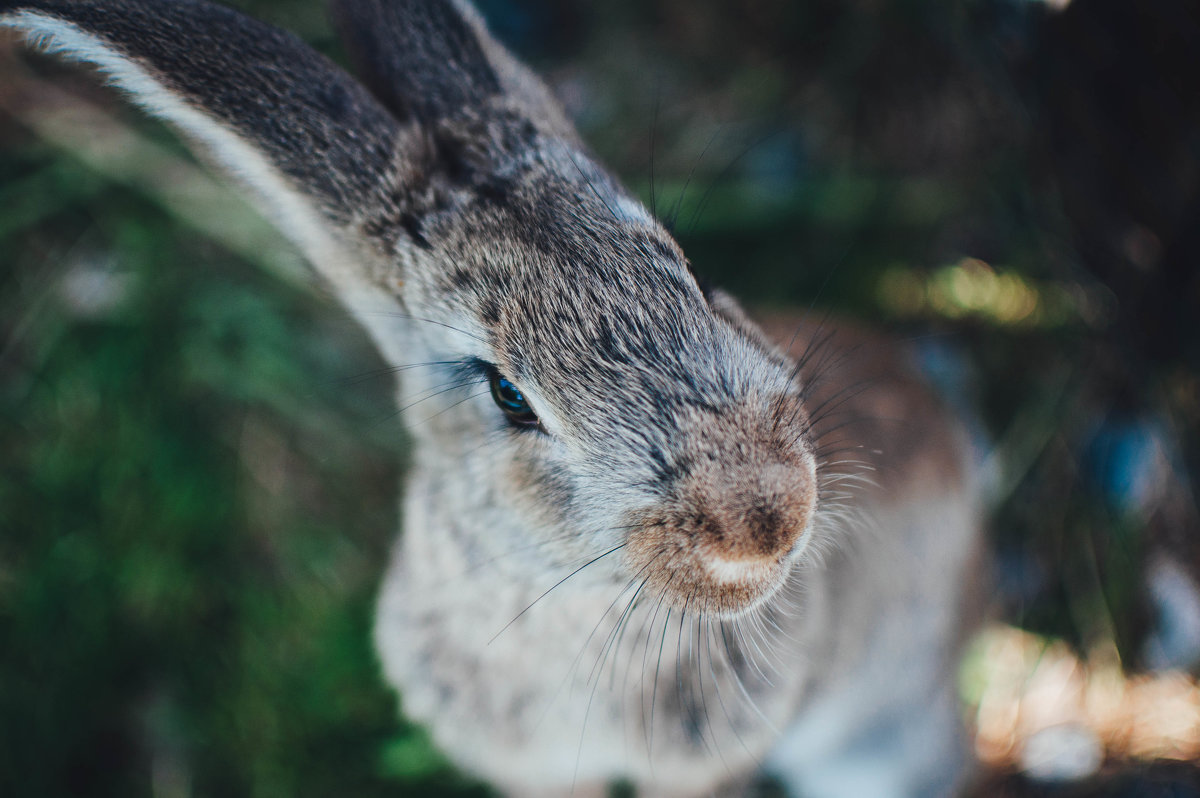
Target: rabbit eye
(510,399)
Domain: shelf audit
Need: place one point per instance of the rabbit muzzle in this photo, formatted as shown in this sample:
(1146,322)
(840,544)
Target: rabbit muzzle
(725,540)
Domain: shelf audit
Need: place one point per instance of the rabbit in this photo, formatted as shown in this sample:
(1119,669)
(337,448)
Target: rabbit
(644,539)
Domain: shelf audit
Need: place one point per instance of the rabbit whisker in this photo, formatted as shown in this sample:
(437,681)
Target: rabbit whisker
(821,328)
(724,173)
(689,719)
(426,395)
(451,327)
(599,664)
(686,716)
(623,626)
(737,678)
(552,587)
(371,374)
(450,407)
(591,185)
(609,639)
(517,550)
(574,667)
(490,438)
(673,216)
(657,669)
(818,344)
(696,660)
(837,400)
(746,640)
(647,728)
(709,634)
(653,131)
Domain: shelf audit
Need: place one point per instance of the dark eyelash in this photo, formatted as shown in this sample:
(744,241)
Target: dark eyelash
(472,368)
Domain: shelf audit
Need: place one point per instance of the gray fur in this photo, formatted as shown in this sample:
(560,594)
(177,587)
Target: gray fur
(703,557)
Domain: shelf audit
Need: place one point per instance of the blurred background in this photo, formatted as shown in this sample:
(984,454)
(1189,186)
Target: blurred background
(199,456)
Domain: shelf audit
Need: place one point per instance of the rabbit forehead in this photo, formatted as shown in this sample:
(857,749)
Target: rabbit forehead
(541,257)
(594,308)
(577,294)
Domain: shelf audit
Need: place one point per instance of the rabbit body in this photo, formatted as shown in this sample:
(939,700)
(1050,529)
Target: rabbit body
(640,540)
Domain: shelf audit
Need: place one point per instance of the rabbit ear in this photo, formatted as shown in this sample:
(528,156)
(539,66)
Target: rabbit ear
(422,59)
(305,136)
(433,60)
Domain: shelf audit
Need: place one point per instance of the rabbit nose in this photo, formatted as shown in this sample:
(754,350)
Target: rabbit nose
(725,540)
(755,517)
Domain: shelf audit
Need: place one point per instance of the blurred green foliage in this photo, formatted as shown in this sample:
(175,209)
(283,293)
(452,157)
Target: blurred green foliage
(197,493)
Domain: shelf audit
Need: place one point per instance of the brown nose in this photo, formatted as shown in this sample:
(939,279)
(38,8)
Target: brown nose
(751,513)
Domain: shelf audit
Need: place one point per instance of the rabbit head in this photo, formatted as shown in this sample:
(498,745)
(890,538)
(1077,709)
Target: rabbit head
(651,416)
(638,413)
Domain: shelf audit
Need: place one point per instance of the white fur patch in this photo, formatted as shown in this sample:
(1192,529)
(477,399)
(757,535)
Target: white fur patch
(735,571)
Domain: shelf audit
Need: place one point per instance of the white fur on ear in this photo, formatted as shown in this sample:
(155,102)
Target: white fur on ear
(337,259)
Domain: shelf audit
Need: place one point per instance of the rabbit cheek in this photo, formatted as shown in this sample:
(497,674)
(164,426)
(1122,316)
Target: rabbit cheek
(728,540)
(540,488)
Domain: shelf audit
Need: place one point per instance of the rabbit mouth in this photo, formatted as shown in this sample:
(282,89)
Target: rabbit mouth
(725,539)
(695,579)
(733,572)
(724,553)
(722,536)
